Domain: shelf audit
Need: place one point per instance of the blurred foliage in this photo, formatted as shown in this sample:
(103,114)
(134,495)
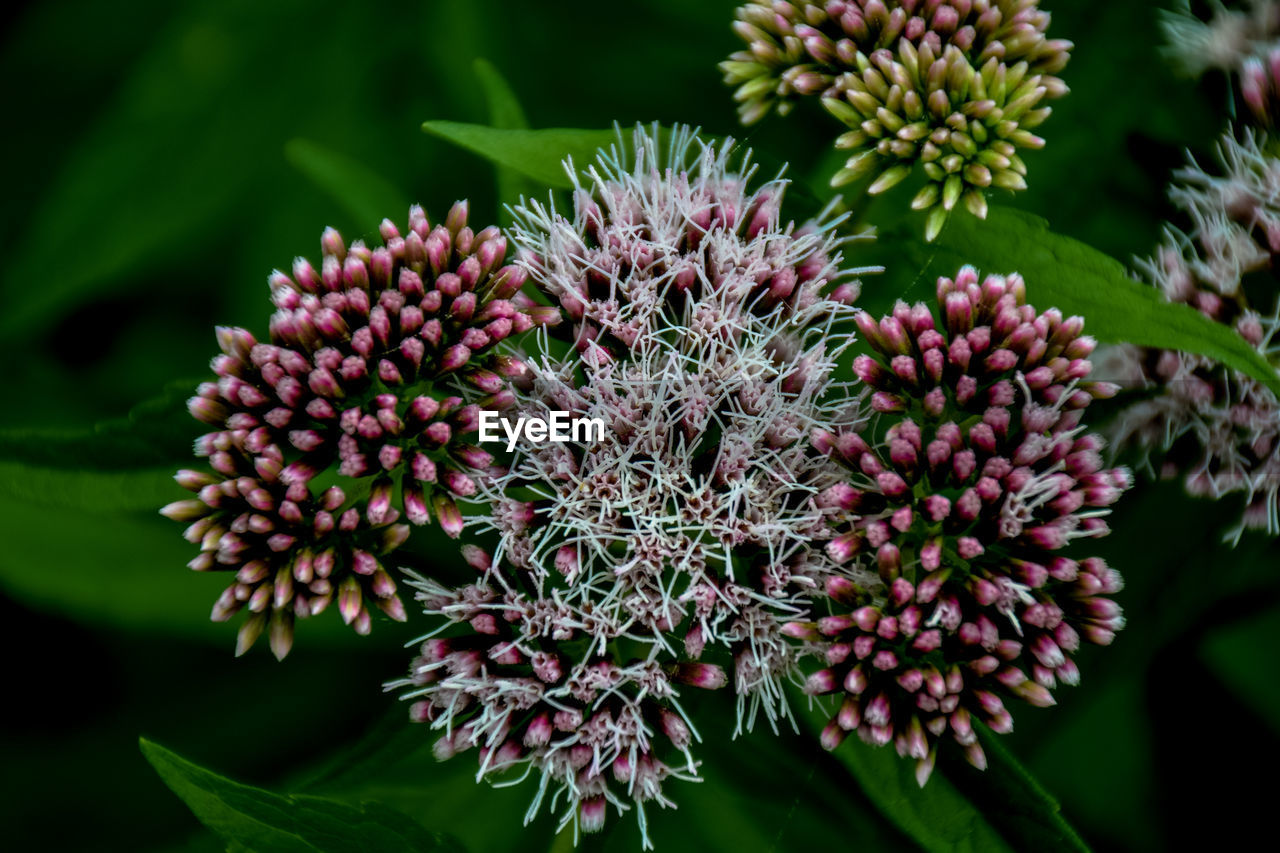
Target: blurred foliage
(165,157)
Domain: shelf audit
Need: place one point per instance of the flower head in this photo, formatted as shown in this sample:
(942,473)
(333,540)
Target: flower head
(962,495)
(956,85)
(669,551)
(378,365)
(1216,428)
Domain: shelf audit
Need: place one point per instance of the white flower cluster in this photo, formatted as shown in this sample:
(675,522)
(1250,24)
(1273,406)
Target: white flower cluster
(705,332)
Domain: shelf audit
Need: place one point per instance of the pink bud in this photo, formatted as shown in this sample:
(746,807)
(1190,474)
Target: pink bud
(350,599)
(704,675)
(448,515)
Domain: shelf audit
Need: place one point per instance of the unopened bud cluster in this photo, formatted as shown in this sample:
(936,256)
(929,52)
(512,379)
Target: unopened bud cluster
(357,416)
(964,492)
(956,85)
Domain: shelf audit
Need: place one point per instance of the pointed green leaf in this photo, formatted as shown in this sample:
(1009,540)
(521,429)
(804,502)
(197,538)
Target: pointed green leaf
(91,545)
(534,153)
(99,564)
(271,823)
(363,193)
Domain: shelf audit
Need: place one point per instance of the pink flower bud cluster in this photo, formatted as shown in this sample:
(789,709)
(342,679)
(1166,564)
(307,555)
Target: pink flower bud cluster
(1214,427)
(674,549)
(378,364)
(964,493)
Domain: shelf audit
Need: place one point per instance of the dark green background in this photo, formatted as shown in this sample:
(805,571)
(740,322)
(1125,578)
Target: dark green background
(147,194)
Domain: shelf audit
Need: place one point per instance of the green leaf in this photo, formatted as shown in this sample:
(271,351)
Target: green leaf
(536,154)
(271,823)
(156,432)
(505,113)
(365,195)
(1099,751)
(938,816)
(92,491)
(1060,272)
(959,808)
(84,537)
(504,109)
(117,466)
(91,545)
(1013,800)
